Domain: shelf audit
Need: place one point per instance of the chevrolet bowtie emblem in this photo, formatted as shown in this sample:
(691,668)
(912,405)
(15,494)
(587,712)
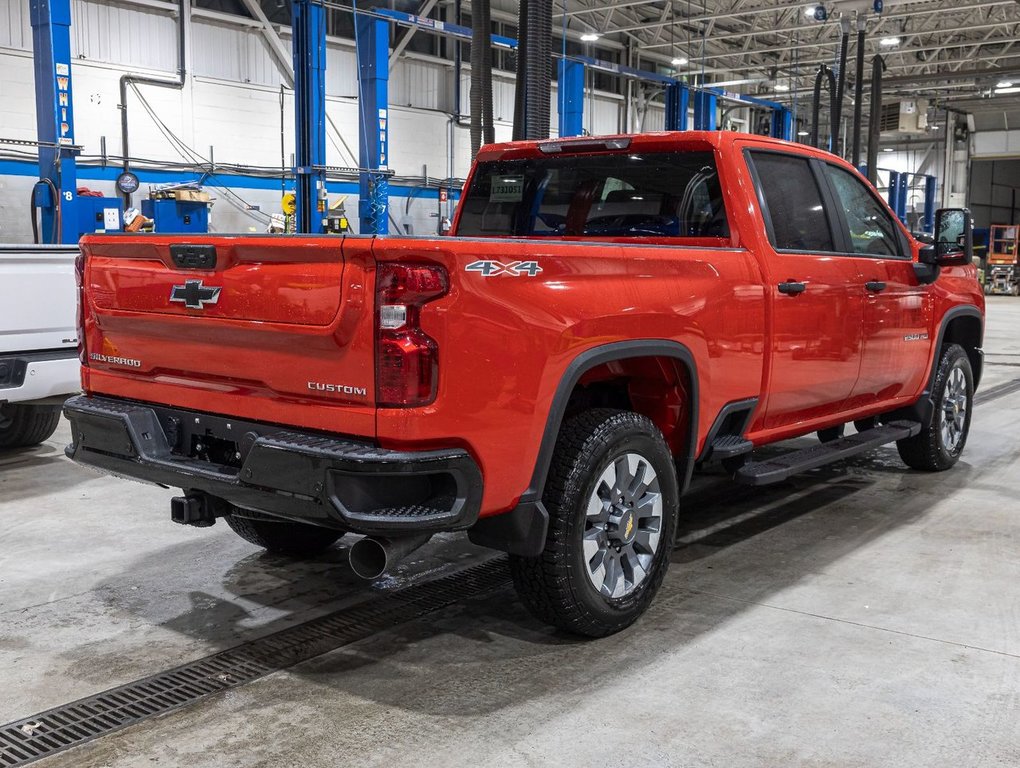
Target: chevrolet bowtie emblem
(194,295)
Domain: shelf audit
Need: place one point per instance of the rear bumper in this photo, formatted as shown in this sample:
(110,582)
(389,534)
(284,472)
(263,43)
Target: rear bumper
(39,375)
(332,481)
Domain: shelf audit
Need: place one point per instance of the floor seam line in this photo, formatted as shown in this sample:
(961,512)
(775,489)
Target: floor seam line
(859,624)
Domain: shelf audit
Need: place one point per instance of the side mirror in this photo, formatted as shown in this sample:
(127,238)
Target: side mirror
(954,238)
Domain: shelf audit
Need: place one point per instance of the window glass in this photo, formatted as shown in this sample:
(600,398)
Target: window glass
(799,222)
(872,230)
(658,194)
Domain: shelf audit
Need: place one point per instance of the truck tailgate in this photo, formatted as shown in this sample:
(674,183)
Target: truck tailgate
(264,329)
(37,298)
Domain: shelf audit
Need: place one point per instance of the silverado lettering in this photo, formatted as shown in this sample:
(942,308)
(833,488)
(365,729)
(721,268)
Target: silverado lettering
(679,299)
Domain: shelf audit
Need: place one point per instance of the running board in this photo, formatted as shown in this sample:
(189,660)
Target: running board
(781,467)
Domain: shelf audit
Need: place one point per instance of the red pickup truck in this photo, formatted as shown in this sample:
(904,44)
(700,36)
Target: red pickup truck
(610,314)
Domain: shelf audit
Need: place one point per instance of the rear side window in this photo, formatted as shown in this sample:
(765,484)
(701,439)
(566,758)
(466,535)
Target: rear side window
(872,230)
(799,221)
(669,194)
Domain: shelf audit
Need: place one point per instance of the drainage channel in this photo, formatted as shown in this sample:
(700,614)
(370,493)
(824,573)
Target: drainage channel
(999,390)
(71,725)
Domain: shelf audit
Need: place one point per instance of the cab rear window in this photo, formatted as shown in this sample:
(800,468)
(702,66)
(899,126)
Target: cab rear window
(675,194)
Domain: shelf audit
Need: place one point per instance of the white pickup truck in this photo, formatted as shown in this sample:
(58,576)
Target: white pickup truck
(38,341)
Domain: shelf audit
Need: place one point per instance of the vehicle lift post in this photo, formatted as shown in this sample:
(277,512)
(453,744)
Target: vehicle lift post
(309,46)
(571,97)
(704,110)
(678,102)
(372,38)
(51,52)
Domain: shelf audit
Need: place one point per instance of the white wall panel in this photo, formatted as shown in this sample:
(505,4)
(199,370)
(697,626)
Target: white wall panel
(15,25)
(126,35)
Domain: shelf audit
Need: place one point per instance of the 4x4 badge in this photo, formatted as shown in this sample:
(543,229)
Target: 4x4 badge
(514,268)
(194,295)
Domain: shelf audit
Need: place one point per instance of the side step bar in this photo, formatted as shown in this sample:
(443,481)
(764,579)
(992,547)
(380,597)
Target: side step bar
(781,467)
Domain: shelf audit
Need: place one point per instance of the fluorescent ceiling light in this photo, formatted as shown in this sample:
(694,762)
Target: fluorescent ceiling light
(590,37)
(888,149)
(680,61)
(782,87)
(888,42)
(803,133)
(1004,84)
(1003,91)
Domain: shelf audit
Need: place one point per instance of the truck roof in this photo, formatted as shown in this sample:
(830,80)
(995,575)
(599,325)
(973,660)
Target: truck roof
(656,141)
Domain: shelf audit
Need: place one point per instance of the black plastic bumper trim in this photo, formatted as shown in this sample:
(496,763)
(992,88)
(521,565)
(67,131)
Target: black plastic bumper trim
(322,479)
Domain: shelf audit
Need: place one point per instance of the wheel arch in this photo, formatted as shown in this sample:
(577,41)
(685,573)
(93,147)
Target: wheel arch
(963,326)
(522,531)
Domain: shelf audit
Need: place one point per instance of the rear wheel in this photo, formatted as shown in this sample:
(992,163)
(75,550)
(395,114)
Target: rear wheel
(283,537)
(612,498)
(941,441)
(23,425)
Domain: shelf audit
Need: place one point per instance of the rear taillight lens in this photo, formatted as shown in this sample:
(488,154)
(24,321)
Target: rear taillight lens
(407,358)
(79,278)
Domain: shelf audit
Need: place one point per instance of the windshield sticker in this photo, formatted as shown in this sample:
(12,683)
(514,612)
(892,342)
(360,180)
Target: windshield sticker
(507,189)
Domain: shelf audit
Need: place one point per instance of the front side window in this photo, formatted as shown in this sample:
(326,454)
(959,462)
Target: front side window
(661,194)
(872,230)
(799,221)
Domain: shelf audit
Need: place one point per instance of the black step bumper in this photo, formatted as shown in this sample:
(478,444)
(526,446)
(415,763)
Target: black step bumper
(333,481)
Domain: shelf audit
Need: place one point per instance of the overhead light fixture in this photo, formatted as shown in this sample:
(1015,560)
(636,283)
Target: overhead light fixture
(590,37)
(680,61)
(888,149)
(1004,84)
(889,42)
(782,87)
(1005,91)
(803,133)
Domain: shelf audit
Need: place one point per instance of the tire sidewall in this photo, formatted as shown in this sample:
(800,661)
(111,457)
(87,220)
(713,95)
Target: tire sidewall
(954,358)
(583,481)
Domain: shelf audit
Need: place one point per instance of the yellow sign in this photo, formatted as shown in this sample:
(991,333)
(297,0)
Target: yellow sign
(289,204)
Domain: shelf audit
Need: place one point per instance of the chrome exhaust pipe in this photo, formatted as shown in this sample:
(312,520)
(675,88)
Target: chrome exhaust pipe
(371,557)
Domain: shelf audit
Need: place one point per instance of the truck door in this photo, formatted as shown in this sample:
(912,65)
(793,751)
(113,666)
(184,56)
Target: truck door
(897,342)
(816,297)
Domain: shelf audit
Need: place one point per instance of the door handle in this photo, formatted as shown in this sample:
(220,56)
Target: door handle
(792,288)
(875,286)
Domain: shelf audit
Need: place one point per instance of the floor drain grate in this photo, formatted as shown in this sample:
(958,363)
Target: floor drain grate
(71,725)
(1000,390)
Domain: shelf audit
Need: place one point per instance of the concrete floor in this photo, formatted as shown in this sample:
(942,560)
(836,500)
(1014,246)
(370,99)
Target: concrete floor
(861,615)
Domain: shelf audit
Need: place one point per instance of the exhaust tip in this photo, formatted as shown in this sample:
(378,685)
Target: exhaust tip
(368,558)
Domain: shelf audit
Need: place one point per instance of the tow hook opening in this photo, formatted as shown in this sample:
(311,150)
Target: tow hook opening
(197,509)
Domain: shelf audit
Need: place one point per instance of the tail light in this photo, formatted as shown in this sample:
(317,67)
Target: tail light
(79,278)
(407,359)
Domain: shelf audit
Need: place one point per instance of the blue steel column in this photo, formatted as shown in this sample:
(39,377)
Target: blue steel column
(782,124)
(678,101)
(309,29)
(929,204)
(901,197)
(51,50)
(894,192)
(704,111)
(373,43)
(571,98)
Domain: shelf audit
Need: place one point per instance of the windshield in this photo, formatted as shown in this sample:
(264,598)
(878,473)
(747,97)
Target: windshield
(662,194)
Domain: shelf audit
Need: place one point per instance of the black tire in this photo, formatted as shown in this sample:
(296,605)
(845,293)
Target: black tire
(831,434)
(280,536)
(556,585)
(24,425)
(928,451)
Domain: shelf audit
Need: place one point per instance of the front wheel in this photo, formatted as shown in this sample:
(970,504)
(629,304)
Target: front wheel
(612,498)
(941,441)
